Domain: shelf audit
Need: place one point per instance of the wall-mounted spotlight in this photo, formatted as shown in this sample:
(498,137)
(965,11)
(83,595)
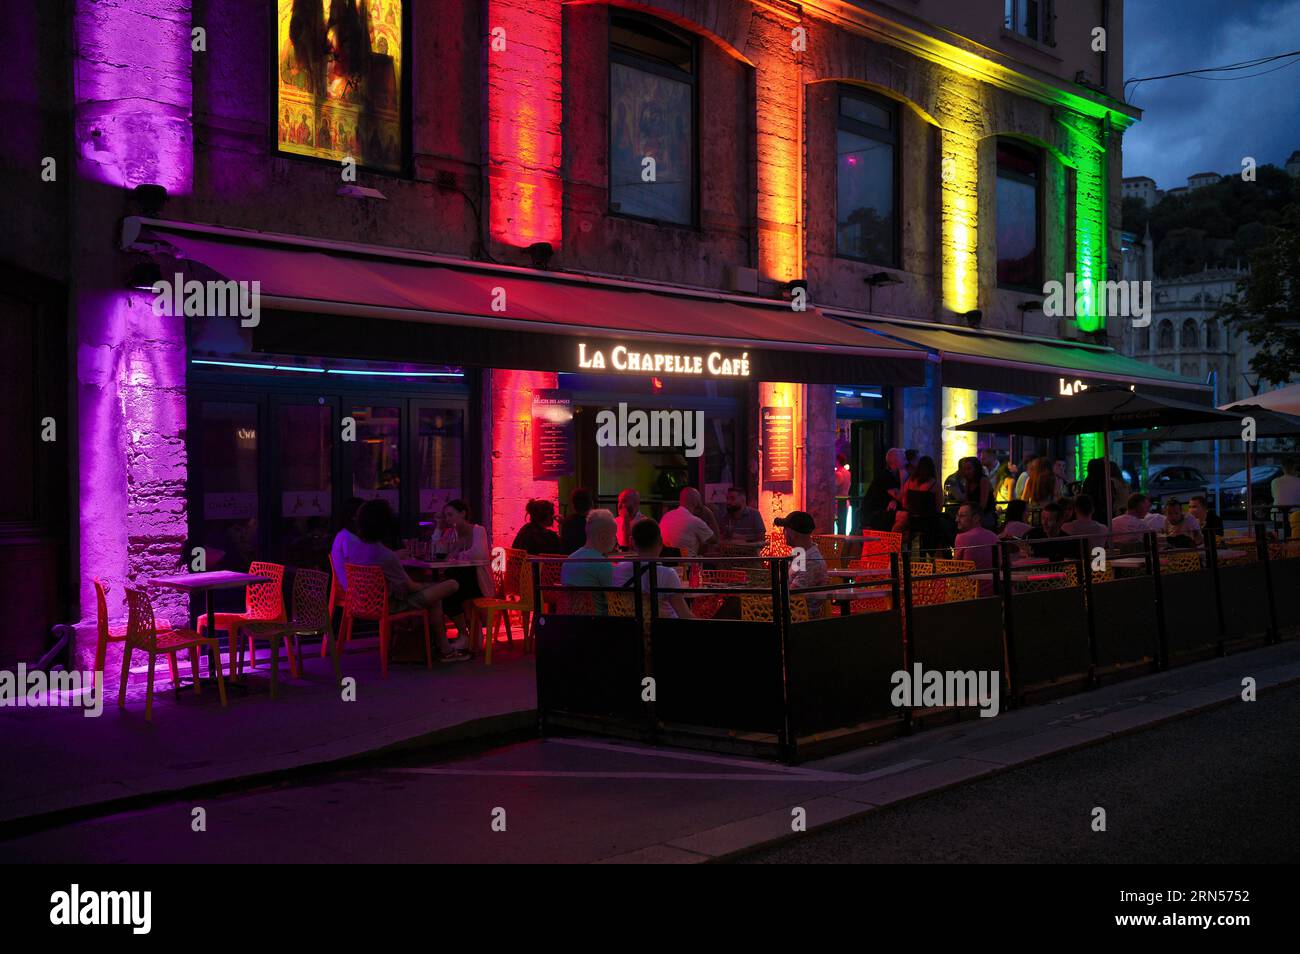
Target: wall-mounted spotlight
(877,280)
(144,275)
(1027,306)
(539,254)
(972,318)
(150,197)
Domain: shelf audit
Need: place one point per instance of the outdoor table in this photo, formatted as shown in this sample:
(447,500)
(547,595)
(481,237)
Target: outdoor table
(844,597)
(414,564)
(208,583)
(1023,576)
(853,573)
(1029,560)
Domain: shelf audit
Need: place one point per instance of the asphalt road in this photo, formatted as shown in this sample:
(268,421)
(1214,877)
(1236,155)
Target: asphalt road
(1218,787)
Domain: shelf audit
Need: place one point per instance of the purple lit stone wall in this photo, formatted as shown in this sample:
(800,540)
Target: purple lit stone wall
(132,125)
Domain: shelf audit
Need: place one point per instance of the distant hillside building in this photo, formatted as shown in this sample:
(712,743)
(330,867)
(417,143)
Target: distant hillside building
(1140,187)
(1293,165)
(1203,179)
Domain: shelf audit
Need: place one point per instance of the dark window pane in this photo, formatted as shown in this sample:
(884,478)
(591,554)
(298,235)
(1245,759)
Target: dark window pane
(866,112)
(440,437)
(376,461)
(865,197)
(651,117)
(651,41)
(228,441)
(1017,216)
(306,489)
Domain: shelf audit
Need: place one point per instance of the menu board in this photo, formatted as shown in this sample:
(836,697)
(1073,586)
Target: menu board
(778,449)
(553,432)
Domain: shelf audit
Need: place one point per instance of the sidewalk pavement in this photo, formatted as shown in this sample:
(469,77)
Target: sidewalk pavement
(58,759)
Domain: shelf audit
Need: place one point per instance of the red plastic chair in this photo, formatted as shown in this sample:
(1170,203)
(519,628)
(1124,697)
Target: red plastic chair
(263,603)
(368,600)
(143,633)
(707,606)
(109,633)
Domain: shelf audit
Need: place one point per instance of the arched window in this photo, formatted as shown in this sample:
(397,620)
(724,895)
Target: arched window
(1191,336)
(1211,334)
(1166,335)
(1018,200)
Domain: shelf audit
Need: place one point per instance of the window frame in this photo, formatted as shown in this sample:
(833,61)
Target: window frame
(1039,182)
(638,61)
(1046,21)
(895,138)
(406,168)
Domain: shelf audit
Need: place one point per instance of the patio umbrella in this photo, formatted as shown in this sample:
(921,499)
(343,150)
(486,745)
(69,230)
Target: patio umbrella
(1285,400)
(1101,410)
(1268,423)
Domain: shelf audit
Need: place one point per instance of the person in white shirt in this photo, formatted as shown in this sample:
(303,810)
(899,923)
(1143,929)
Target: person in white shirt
(649,544)
(1286,488)
(1129,527)
(346,542)
(682,529)
(799,526)
(467,541)
(1015,526)
(1181,529)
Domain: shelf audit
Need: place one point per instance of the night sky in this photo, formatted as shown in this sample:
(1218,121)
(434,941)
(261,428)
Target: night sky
(1192,125)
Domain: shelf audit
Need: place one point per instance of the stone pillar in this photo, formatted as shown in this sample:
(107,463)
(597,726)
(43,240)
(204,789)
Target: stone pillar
(819,455)
(508,455)
(131,126)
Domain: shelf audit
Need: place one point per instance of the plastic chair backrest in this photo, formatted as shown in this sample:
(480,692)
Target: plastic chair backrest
(141,628)
(367,592)
(726,577)
(881,541)
(265,601)
(311,592)
(101,609)
(513,583)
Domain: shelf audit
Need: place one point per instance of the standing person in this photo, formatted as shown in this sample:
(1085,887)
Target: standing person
(649,545)
(629,515)
(683,529)
(740,521)
(799,526)
(573,528)
(880,503)
(1040,487)
(1094,485)
(578,570)
(1120,490)
(922,500)
(976,488)
(374,522)
(1062,479)
(1025,469)
(466,540)
(989,462)
(1004,481)
(843,477)
(536,536)
(909,463)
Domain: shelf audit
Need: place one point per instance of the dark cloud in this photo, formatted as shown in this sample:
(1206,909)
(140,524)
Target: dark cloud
(1192,125)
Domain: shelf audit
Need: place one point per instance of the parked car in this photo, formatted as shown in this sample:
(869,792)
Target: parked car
(1175,482)
(1234,491)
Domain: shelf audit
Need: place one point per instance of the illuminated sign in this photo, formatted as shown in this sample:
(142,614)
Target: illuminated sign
(633,359)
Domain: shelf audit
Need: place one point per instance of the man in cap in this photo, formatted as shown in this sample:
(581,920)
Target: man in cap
(799,526)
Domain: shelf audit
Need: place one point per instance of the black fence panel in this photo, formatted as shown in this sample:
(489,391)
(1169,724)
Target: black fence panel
(1125,623)
(1286,591)
(959,636)
(1051,635)
(841,670)
(1245,595)
(590,665)
(720,673)
(1190,617)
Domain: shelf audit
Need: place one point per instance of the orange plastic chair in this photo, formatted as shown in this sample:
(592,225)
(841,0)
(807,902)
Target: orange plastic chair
(493,609)
(368,600)
(958,587)
(707,606)
(143,633)
(311,619)
(881,541)
(263,602)
(109,633)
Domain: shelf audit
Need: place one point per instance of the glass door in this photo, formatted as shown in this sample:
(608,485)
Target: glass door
(304,504)
(374,454)
(228,441)
(438,444)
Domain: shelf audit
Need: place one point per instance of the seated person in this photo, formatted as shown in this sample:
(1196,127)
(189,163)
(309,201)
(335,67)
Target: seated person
(975,542)
(683,529)
(1044,539)
(1181,529)
(799,527)
(1084,525)
(374,520)
(1013,525)
(740,521)
(1131,526)
(602,539)
(1208,520)
(649,545)
(536,536)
